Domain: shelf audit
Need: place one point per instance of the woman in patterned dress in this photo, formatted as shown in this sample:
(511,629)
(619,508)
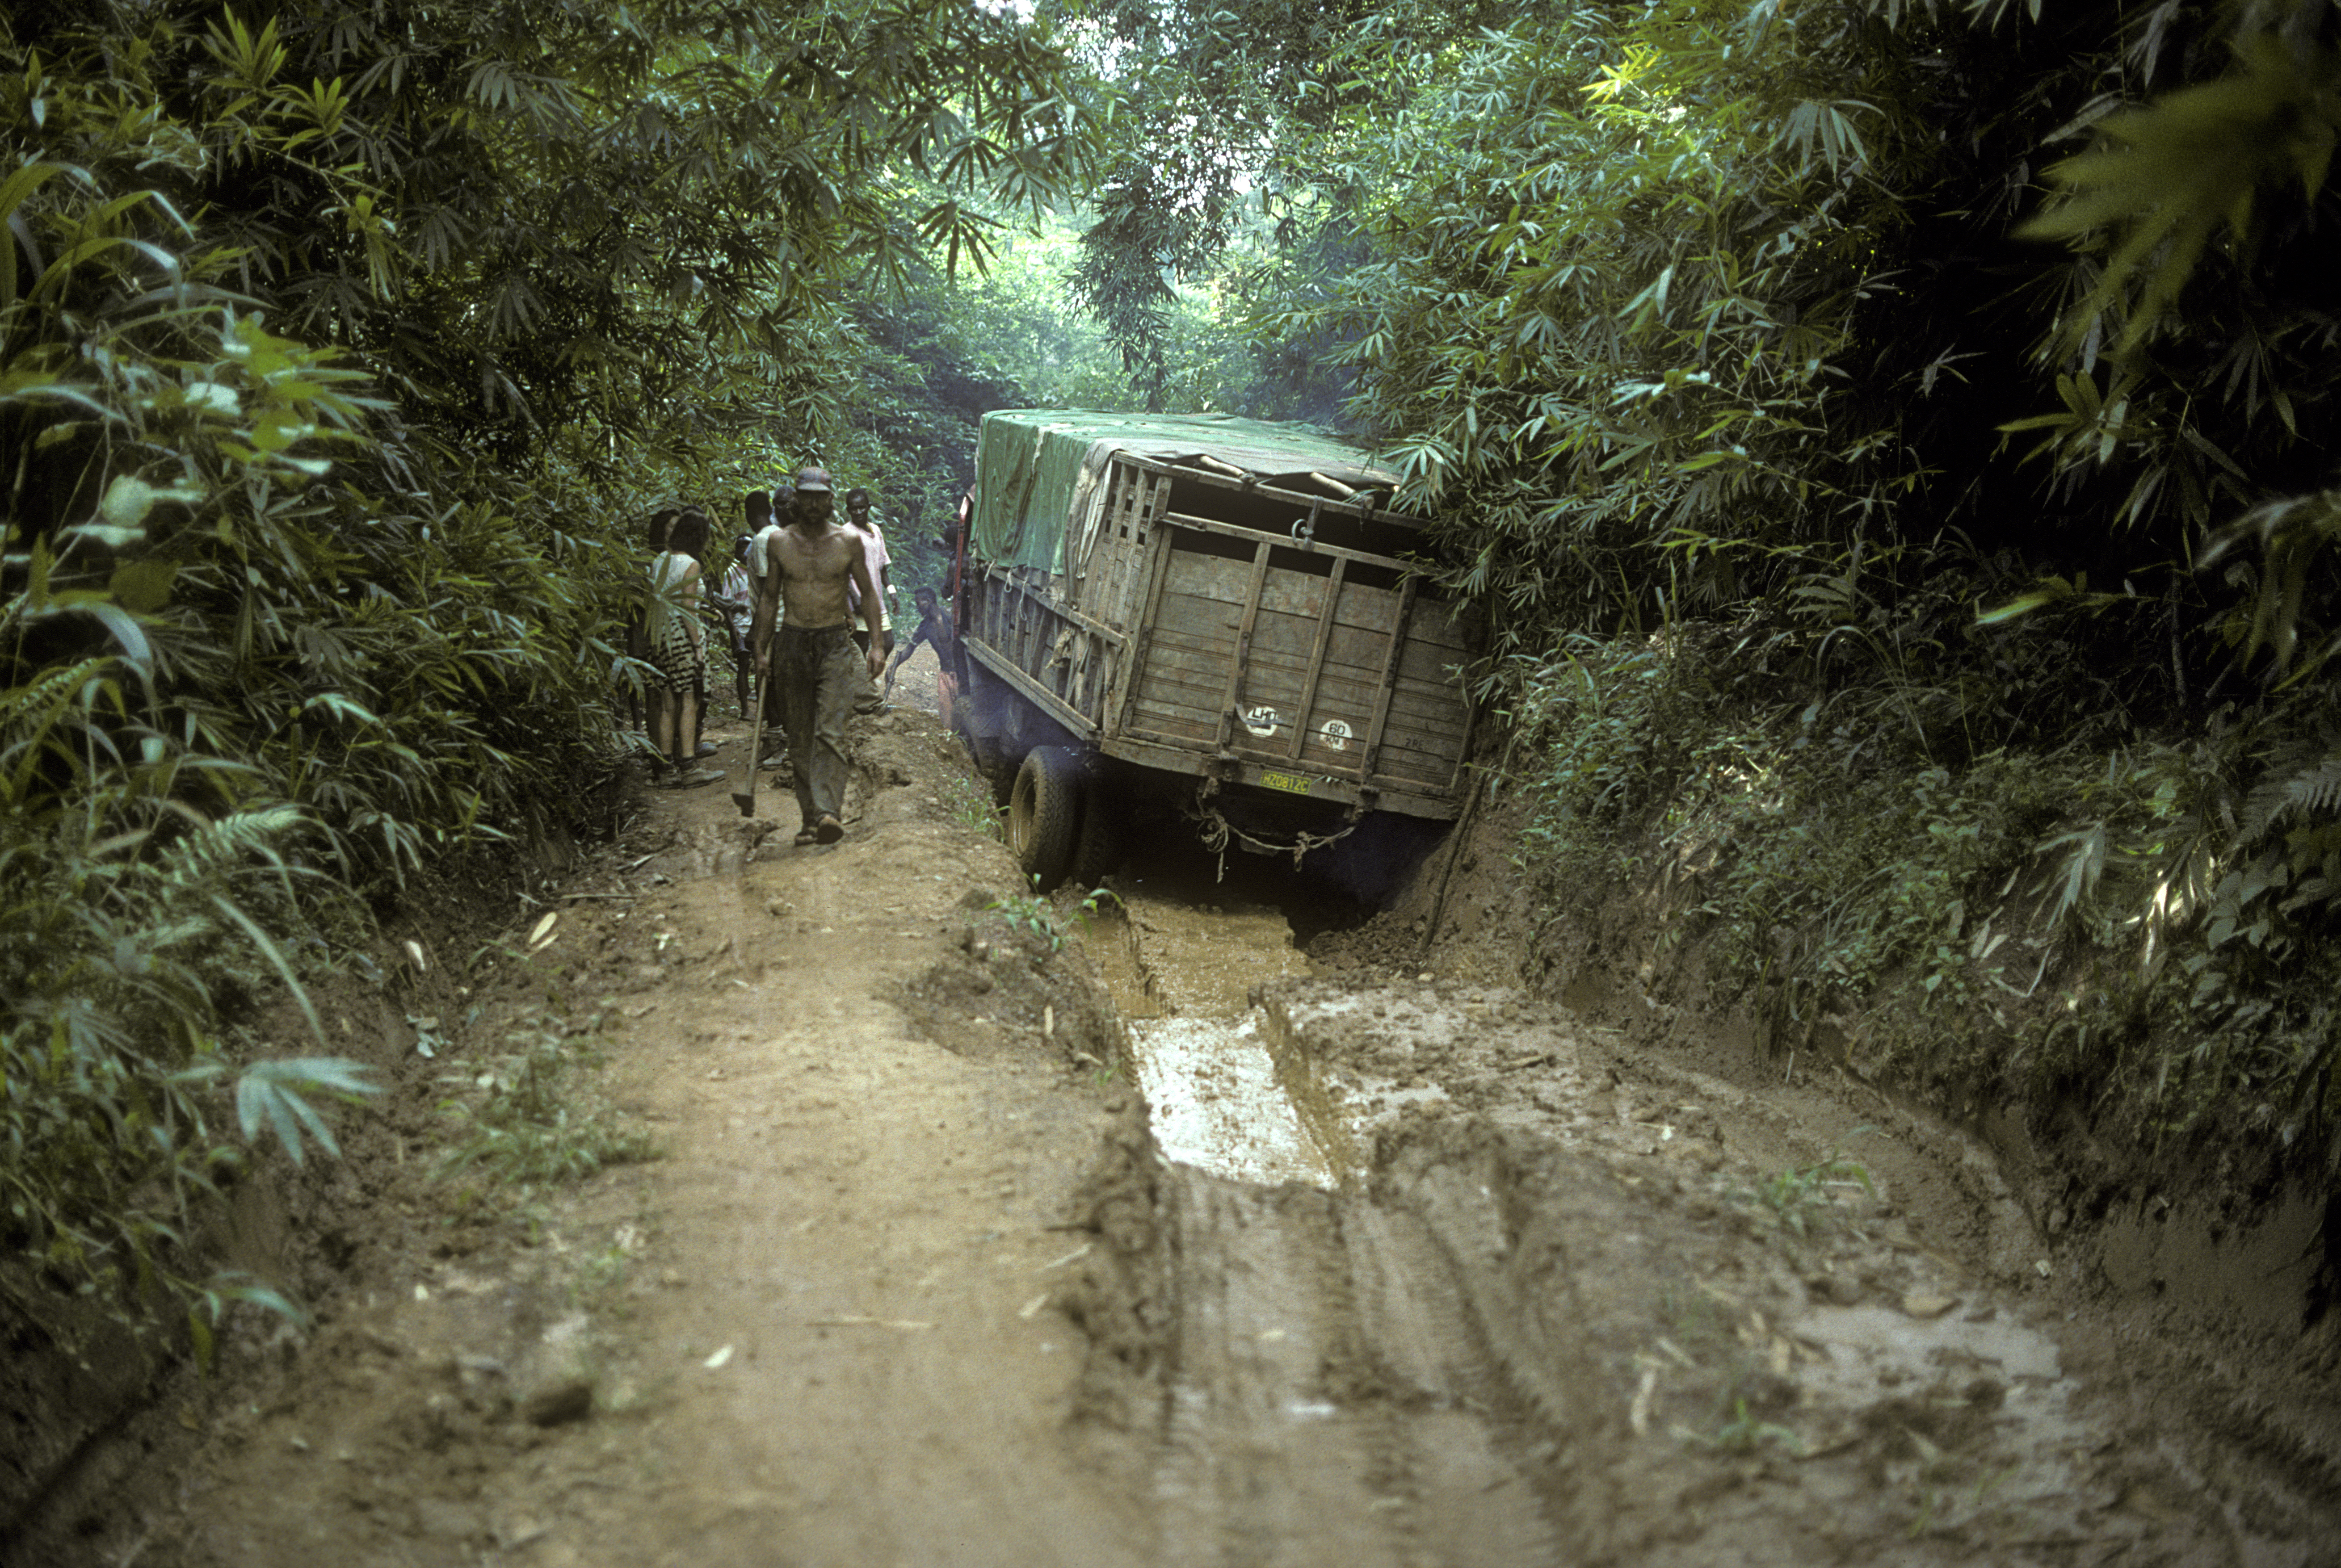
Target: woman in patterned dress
(677,650)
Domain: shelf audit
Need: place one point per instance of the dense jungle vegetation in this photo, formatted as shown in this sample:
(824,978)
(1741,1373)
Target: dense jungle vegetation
(1891,443)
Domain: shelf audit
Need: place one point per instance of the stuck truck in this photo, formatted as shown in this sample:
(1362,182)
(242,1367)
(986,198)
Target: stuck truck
(1204,620)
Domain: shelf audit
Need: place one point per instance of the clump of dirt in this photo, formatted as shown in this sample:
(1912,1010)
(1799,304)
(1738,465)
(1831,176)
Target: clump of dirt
(1122,1298)
(1008,982)
(1464,916)
(1387,943)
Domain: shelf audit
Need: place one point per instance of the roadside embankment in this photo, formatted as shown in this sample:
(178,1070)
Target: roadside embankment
(2201,1257)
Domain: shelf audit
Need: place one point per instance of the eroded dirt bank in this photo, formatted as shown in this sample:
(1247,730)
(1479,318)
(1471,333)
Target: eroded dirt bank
(2203,1295)
(915,1281)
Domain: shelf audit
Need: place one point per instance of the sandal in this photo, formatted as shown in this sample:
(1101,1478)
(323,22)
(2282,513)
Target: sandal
(829,830)
(692,778)
(806,836)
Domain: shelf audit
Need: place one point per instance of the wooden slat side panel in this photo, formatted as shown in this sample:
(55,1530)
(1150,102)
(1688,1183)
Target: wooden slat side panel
(1371,608)
(1231,699)
(1397,647)
(1150,494)
(1173,724)
(1192,638)
(1430,714)
(1145,599)
(1320,646)
(1438,624)
(1211,577)
(1282,666)
(1348,688)
(1120,545)
(1179,680)
(1429,665)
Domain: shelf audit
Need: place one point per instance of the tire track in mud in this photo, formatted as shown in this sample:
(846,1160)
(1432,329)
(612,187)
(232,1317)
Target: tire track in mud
(1329,1396)
(1444,1397)
(1329,1401)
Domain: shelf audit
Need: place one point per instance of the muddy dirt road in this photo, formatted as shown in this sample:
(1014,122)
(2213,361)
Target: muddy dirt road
(1165,1250)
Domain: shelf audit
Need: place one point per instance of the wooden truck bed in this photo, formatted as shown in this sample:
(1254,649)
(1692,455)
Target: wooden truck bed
(1205,645)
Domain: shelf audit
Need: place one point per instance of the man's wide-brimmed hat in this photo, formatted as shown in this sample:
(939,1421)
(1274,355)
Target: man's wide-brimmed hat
(813,482)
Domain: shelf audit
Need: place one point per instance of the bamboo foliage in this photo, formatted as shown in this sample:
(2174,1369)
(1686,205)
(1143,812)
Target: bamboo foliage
(2163,179)
(1697,322)
(272,634)
(1618,267)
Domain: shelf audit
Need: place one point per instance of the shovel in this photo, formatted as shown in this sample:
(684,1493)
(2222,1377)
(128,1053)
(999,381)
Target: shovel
(746,798)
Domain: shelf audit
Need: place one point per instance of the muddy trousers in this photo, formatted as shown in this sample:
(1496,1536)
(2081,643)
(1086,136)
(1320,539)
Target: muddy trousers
(819,673)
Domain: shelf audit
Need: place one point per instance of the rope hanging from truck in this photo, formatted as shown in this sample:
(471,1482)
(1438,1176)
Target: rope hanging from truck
(1215,830)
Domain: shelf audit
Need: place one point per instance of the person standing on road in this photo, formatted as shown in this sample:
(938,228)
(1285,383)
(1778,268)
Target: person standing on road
(638,624)
(737,599)
(934,630)
(882,560)
(677,650)
(809,566)
(768,516)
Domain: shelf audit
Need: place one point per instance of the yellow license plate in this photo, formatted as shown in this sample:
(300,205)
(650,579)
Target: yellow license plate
(1293,781)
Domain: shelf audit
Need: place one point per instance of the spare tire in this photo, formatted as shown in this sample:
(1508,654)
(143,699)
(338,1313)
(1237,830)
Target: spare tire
(1044,812)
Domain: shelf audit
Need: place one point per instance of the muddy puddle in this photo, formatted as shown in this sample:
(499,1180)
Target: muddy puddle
(1187,980)
(1455,1277)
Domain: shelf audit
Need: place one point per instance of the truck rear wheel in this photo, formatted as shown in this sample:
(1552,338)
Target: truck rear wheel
(1044,812)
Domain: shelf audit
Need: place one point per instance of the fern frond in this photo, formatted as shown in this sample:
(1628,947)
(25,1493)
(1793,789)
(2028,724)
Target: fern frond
(196,859)
(30,717)
(2291,795)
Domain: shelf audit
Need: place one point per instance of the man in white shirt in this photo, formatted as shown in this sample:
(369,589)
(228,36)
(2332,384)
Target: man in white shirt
(859,518)
(768,515)
(736,598)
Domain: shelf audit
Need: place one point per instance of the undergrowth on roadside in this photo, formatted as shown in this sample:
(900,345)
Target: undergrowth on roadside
(1799,1196)
(968,800)
(1867,810)
(1052,920)
(264,654)
(526,1113)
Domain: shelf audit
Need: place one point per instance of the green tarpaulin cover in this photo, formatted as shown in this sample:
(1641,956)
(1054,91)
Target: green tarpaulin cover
(1034,467)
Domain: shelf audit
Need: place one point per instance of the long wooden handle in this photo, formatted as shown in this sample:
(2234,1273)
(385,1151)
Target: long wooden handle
(746,799)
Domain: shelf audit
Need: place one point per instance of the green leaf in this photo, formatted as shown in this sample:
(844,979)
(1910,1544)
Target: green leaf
(275,957)
(125,630)
(143,587)
(128,501)
(271,1095)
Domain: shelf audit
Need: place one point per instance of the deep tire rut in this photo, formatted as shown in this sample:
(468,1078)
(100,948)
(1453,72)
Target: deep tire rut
(1328,1401)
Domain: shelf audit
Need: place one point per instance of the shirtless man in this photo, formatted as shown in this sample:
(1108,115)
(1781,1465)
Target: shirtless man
(808,564)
